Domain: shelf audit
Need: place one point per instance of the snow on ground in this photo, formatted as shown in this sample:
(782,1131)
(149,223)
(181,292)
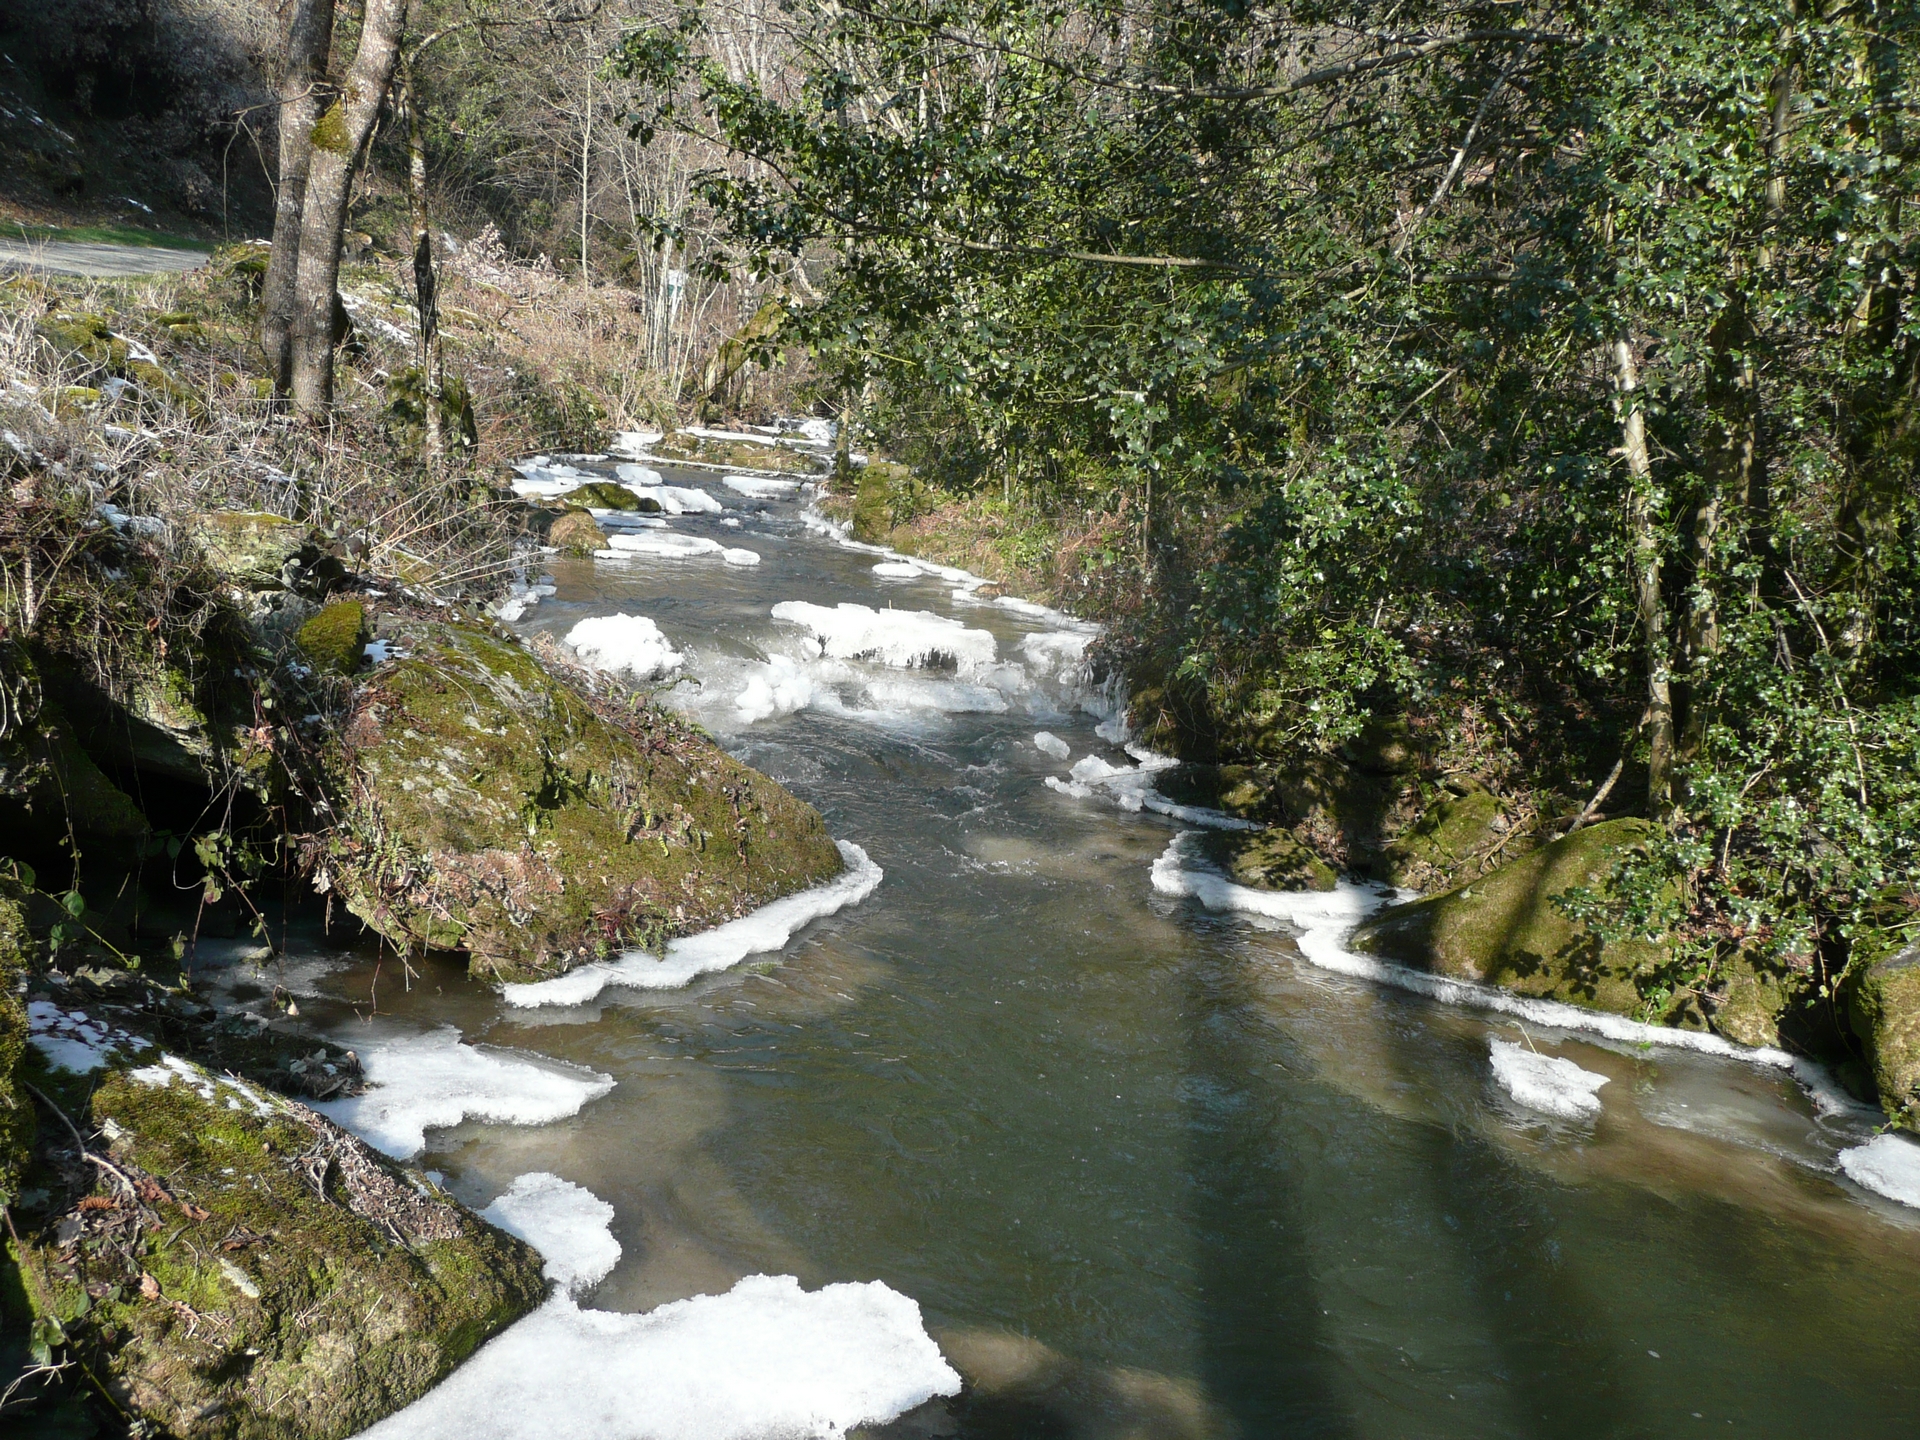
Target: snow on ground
(72,1040)
(566,1223)
(210,1087)
(766,929)
(634,443)
(631,644)
(765,1361)
(906,639)
(756,488)
(1047,743)
(1888,1165)
(1547,1083)
(424,1082)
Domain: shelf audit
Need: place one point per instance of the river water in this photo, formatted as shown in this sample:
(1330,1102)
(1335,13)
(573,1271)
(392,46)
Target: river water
(1147,1171)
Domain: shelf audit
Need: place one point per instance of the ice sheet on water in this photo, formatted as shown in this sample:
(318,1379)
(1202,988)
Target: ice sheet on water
(1130,787)
(898,570)
(1547,1083)
(765,1361)
(664,544)
(1888,1165)
(766,929)
(680,499)
(418,1083)
(635,475)
(631,644)
(906,639)
(566,1223)
(1326,918)
(735,556)
(756,487)
(1047,743)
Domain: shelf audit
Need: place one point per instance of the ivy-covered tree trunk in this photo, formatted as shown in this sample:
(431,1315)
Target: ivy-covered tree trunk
(303,96)
(339,142)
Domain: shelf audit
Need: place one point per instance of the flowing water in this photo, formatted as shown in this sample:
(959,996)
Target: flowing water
(1147,1172)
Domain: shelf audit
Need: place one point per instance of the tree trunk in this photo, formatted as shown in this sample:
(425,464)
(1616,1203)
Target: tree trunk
(1646,580)
(303,95)
(339,142)
(425,287)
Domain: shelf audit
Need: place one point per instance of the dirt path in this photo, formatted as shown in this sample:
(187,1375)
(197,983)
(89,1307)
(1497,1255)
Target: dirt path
(68,257)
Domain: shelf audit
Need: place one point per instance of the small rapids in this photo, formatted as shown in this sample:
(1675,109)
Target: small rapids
(1030,1124)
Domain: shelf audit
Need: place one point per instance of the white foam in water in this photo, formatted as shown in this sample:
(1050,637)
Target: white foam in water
(1131,788)
(1047,743)
(907,639)
(418,1083)
(766,929)
(740,557)
(1547,1083)
(664,544)
(629,643)
(765,1361)
(756,488)
(1887,1165)
(566,1223)
(1326,918)
(779,687)
(632,475)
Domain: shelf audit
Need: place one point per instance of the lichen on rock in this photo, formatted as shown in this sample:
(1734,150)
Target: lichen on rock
(486,804)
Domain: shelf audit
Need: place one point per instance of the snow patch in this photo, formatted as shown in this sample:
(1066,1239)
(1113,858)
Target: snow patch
(765,1361)
(1886,1165)
(72,1040)
(904,639)
(634,443)
(634,475)
(1547,1083)
(740,557)
(207,1085)
(766,929)
(566,1223)
(425,1082)
(629,643)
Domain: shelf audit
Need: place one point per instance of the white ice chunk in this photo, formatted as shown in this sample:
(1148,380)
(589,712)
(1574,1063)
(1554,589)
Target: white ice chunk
(732,522)
(424,1082)
(766,929)
(777,688)
(740,557)
(756,488)
(1050,744)
(566,1223)
(630,643)
(632,475)
(1887,1165)
(765,1361)
(666,544)
(688,500)
(898,570)
(1547,1083)
(906,639)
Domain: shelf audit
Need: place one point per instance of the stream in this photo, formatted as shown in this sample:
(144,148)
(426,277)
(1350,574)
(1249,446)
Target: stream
(1146,1169)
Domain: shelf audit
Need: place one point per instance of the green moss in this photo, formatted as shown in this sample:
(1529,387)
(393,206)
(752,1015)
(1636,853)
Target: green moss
(85,337)
(258,1306)
(604,495)
(1451,832)
(70,400)
(330,130)
(332,641)
(16,1110)
(577,533)
(735,454)
(1268,860)
(1504,929)
(1884,1006)
(490,807)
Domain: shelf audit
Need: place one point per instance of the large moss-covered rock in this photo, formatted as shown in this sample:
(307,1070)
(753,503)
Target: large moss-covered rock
(735,454)
(1885,1006)
(605,495)
(260,1273)
(1268,860)
(1504,929)
(68,791)
(487,805)
(577,533)
(1451,832)
(16,1110)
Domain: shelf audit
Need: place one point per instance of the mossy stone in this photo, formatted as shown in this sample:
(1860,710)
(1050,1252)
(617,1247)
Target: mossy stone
(1504,929)
(79,792)
(79,335)
(258,1307)
(605,495)
(157,384)
(71,400)
(332,642)
(1452,831)
(488,806)
(1884,1007)
(1384,746)
(1268,860)
(735,454)
(251,548)
(577,533)
(16,1109)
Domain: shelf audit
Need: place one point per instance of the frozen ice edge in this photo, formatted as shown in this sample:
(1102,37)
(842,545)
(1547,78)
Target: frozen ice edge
(766,929)
(1550,1084)
(566,1223)
(1887,1165)
(1326,918)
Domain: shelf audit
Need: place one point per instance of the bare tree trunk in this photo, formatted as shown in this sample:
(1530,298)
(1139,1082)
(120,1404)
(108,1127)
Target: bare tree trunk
(303,95)
(1646,580)
(425,287)
(339,143)
(586,172)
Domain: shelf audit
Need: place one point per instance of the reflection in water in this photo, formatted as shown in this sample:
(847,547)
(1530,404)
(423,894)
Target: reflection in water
(1147,1173)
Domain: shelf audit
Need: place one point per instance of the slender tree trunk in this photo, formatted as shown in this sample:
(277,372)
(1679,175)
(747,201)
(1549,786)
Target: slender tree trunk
(586,171)
(425,287)
(303,95)
(1646,580)
(339,142)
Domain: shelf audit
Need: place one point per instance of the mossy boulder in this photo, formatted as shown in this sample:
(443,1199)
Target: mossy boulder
(62,789)
(1455,829)
(1884,1006)
(605,495)
(735,454)
(259,1273)
(1504,929)
(885,495)
(16,1109)
(577,533)
(1268,860)
(332,642)
(84,338)
(253,549)
(1384,746)
(486,804)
